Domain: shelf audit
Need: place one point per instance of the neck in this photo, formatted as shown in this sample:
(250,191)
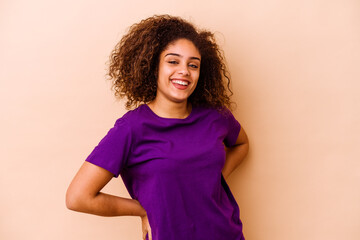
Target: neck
(171,109)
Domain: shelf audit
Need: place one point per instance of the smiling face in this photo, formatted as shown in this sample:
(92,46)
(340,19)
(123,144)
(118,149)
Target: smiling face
(179,70)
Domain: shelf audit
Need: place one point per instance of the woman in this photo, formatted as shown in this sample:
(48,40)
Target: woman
(177,145)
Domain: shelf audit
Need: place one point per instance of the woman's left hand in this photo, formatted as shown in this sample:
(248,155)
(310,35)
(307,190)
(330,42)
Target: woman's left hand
(146,229)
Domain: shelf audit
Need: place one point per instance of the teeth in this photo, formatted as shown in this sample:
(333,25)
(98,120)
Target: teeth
(180,82)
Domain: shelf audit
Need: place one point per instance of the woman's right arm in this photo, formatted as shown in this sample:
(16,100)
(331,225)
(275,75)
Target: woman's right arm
(83,195)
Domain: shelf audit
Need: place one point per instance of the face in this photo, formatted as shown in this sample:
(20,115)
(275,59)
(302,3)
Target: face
(179,70)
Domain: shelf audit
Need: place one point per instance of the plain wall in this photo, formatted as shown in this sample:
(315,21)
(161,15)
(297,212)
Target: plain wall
(295,77)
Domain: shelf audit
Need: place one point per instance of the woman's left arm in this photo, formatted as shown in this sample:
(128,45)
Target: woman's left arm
(235,154)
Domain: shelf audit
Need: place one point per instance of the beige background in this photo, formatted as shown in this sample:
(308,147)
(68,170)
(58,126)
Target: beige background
(295,70)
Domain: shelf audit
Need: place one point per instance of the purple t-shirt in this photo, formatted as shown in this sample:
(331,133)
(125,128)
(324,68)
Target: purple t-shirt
(173,168)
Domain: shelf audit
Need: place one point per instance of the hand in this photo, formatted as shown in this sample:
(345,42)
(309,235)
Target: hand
(146,229)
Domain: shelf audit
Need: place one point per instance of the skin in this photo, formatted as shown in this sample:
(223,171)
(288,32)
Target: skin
(179,61)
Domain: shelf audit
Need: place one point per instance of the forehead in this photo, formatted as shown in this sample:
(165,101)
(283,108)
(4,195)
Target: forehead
(182,47)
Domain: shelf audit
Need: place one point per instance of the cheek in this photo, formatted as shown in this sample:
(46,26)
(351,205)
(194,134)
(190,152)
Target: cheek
(196,76)
(164,73)
(162,76)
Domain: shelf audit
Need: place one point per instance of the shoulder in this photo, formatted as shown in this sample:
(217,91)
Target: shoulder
(131,119)
(220,112)
(222,115)
(131,114)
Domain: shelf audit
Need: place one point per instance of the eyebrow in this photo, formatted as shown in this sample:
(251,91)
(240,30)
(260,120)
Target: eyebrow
(178,55)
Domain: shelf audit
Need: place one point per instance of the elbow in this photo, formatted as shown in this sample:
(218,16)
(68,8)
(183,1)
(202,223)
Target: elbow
(73,201)
(247,146)
(70,201)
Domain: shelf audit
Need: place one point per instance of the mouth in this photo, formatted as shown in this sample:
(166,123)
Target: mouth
(180,84)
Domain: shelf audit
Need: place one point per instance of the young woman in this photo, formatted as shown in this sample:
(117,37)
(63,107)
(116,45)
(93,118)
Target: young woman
(178,142)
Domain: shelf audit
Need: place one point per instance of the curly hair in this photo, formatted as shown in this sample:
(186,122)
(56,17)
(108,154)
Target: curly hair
(133,65)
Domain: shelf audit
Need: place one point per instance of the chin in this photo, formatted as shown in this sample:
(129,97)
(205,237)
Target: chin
(180,100)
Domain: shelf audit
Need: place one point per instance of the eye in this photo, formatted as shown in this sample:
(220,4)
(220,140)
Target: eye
(193,66)
(173,62)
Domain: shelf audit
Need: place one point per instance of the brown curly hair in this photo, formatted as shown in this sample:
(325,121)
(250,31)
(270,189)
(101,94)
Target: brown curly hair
(133,67)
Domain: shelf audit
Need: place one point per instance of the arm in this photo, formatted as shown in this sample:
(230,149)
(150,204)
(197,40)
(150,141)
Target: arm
(83,195)
(235,154)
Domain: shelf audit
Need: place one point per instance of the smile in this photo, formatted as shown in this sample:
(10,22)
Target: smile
(184,83)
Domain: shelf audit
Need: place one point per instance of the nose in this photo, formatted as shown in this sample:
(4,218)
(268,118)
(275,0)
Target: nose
(184,70)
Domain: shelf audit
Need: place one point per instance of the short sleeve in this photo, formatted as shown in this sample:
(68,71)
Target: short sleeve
(112,151)
(233,128)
